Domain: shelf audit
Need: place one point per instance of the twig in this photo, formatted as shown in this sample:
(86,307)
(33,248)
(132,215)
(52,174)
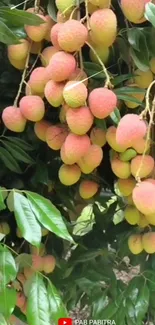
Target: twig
(87,15)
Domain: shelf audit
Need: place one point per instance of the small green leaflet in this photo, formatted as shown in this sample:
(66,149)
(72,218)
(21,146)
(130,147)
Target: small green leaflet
(7,301)
(57,308)
(8,269)
(85,222)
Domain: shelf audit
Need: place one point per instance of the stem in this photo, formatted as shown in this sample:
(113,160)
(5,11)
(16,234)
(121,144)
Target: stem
(87,15)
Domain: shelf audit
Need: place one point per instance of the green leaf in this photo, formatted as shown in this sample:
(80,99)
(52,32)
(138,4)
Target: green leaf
(26,220)
(2,197)
(52,9)
(115,116)
(8,269)
(9,161)
(38,312)
(2,320)
(18,153)
(20,17)
(139,50)
(129,90)
(142,303)
(6,35)
(20,143)
(129,99)
(134,35)
(48,215)
(150,13)
(94,70)
(99,305)
(101,124)
(7,301)
(57,307)
(23,260)
(85,221)
(119,79)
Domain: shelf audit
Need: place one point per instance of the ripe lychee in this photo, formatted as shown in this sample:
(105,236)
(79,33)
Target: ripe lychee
(91,159)
(102,102)
(79,120)
(143,78)
(142,165)
(38,251)
(103,26)
(66,6)
(148,242)
(37,263)
(75,93)
(54,92)
(18,64)
(102,52)
(13,119)
(49,263)
(134,10)
(38,79)
(135,244)
(37,33)
(19,51)
(130,129)
(30,91)
(72,36)
(121,168)
(101,3)
(76,146)
(32,108)
(79,75)
(28,272)
(88,189)
(111,139)
(69,175)
(126,186)
(132,215)
(20,300)
(141,145)
(98,136)
(151,219)
(62,114)
(91,8)
(47,54)
(54,35)
(50,24)
(143,222)
(40,129)
(55,136)
(144,197)
(61,66)
(36,47)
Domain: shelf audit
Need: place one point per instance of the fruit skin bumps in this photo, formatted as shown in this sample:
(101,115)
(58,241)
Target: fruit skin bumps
(148,241)
(79,120)
(88,189)
(102,102)
(75,93)
(61,66)
(69,175)
(134,10)
(72,36)
(32,108)
(13,119)
(135,244)
(144,197)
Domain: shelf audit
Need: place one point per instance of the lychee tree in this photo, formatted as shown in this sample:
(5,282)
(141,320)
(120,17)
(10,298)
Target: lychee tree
(77,177)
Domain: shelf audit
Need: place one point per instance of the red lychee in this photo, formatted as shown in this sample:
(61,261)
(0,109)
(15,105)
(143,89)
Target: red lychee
(102,102)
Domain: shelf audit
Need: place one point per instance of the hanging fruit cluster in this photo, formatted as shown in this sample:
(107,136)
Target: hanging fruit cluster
(63,83)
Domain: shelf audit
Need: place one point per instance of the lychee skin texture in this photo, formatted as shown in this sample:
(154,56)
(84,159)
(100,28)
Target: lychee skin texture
(79,120)
(69,175)
(19,51)
(121,168)
(103,25)
(143,79)
(102,102)
(47,54)
(72,36)
(132,215)
(142,165)
(54,92)
(75,93)
(13,119)
(32,107)
(65,6)
(111,139)
(38,79)
(135,244)
(144,197)
(75,146)
(141,145)
(126,186)
(130,129)
(49,263)
(54,35)
(98,136)
(55,136)
(88,189)
(61,66)
(37,33)
(50,24)
(148,242)
(91,159)
(134,10)
(40,129)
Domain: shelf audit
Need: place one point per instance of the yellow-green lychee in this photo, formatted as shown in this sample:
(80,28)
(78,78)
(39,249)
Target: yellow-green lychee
(69,175)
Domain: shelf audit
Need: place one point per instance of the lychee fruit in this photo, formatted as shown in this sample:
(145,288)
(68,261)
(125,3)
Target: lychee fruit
(18,64)
(150,219)
(72,36)
(69,175)
(32,108)
(143,222)
(20,300)
(19,51)
(130,129)
(79,120)
(126,186)
(62,114)
(54,35)
(91,159)
(101,3)
(103,53)
(38,79)
(28,272)
(30,91)
(143,78)
(142,165)
(61,66)
(121,168)
(102,102)
(54,92)
(36,47)
(79,75)
(76,146)
(134,10)
(75,93)
(103,26)
(66,6)
(136,96)
(141,145)
(98,136)
(4,228)
(13,119)
(37,263)
(47,54)
(49,263)
(132,215)
(135,244)
(37,33)
(50,24)
(40,129)
(111,139)
(127,155)
(144,197)
(88,189)
(148,242)
(55,136)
